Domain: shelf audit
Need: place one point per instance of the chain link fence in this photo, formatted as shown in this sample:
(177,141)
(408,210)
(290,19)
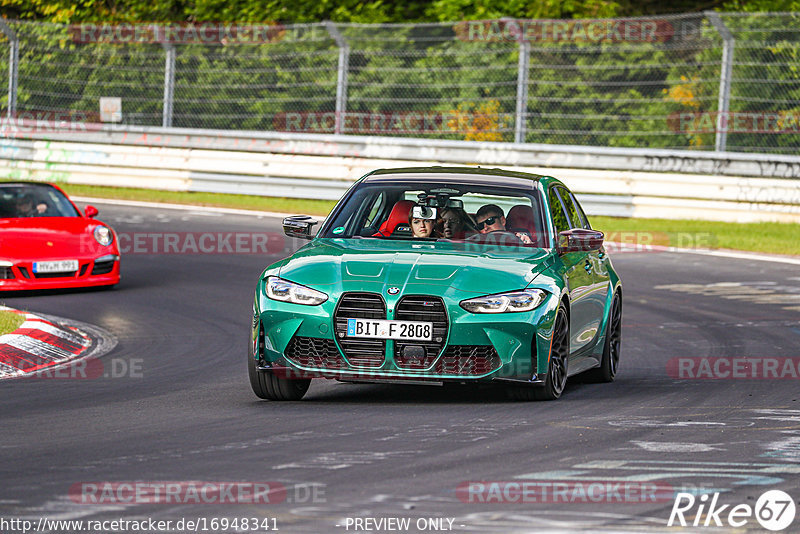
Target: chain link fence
(727,81)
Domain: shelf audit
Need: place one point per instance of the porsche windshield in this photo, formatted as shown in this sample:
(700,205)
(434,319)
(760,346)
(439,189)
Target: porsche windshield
(35,200)
(442,212)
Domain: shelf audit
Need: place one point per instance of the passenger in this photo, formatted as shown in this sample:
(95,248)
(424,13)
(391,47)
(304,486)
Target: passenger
(420,227)
(490,218)
(452,223)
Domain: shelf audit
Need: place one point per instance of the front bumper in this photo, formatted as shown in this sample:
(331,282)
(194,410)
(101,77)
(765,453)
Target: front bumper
(99,271)
(303,342)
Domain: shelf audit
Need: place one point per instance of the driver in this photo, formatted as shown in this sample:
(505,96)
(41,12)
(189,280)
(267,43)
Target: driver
(25,206)
(420,227)
(490,218)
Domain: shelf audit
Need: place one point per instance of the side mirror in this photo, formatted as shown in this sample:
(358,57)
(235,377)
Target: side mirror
(579,240)
(299,226)
(90,211)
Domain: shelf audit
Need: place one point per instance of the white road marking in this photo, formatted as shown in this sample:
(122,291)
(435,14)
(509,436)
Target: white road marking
(674,446)
(342,460)
(646,423)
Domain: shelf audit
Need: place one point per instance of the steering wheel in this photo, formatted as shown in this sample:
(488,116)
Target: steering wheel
(497,237)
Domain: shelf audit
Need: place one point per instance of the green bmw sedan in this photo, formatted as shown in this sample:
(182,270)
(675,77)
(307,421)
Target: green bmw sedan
(440,275)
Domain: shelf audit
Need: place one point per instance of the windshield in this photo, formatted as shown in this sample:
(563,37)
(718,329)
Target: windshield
(22,200)
(441,212)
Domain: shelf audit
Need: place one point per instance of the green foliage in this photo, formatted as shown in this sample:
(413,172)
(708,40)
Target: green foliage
(753,6)
(306,11)
(580,91)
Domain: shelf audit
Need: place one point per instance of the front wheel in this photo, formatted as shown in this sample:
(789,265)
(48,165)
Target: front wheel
(268,386)
(610,360)
(556,366)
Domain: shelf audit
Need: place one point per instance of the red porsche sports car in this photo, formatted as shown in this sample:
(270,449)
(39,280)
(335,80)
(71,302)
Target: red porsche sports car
(46,243)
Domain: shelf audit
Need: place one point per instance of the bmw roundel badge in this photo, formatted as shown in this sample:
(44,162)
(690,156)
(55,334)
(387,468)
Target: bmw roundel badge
(393,290)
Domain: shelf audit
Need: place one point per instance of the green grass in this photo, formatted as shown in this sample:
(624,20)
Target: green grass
(10,321)
(772,238)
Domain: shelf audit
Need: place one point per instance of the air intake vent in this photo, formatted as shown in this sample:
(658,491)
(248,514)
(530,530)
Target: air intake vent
(468,360)
(103,267)
(315,352)
(70,274)
(421,308)
(359,351)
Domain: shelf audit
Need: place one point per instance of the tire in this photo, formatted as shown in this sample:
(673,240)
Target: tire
(270,387)
(610,360)
(557,366)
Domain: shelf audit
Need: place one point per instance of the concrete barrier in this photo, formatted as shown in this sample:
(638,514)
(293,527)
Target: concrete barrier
(616,182)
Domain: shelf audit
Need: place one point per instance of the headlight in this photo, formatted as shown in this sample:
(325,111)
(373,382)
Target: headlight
(103,235)
(515,301)
(286,291)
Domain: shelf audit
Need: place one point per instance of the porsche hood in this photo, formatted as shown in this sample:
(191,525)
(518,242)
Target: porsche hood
(40,238)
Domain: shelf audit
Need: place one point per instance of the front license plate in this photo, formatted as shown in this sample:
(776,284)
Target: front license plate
(383,329)
(60,266)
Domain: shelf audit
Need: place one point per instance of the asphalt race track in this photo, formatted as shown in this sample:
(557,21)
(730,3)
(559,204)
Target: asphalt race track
(177,406)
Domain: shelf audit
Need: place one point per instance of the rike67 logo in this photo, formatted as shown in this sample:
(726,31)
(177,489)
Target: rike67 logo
(774,510)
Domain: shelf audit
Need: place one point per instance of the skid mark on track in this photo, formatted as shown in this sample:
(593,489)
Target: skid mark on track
(686,476)
(788,297)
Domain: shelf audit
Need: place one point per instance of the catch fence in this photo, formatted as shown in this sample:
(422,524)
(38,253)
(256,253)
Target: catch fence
(709,81)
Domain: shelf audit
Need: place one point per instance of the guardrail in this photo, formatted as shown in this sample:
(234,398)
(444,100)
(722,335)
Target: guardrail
(617,182)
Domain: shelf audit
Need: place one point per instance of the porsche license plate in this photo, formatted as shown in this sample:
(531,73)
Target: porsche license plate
(384,329)
(59,266)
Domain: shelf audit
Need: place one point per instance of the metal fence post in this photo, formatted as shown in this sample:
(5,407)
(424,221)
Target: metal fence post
(725,75)
(341,76)
(169,86)
(13,67)
(522,90)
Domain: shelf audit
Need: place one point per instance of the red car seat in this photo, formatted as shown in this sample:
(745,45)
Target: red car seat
(398,217)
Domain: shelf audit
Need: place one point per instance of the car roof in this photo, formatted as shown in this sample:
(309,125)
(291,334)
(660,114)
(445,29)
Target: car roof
(25,184)
(461,175)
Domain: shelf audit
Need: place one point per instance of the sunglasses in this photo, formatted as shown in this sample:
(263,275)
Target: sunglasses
(487,222)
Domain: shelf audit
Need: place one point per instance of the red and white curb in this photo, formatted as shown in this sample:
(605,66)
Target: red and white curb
(39,344)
